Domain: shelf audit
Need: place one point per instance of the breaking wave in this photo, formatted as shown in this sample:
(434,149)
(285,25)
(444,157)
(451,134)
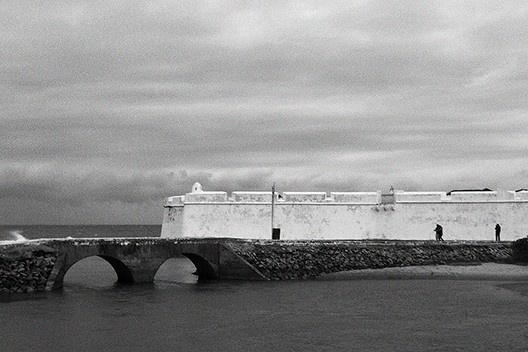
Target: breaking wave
(17,234)
(14,236)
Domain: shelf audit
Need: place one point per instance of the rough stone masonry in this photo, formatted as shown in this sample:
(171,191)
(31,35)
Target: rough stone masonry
(27,267)
(284,260)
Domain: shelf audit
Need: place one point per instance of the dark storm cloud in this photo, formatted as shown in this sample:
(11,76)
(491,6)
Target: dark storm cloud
(112,106)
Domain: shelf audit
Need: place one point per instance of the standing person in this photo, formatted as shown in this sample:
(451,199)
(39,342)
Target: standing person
(439,231)
(497,232)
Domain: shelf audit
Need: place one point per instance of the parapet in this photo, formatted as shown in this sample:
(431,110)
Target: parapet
(355,197)
(308,197)
(252,197)
(522,195)
(367,198)
(204,197)
(405,197)
(473,196)
(505,195)
(174,201)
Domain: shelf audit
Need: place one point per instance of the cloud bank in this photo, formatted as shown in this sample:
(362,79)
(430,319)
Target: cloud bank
(107,108)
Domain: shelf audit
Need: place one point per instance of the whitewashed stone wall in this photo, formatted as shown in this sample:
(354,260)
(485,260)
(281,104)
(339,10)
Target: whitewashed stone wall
(350,215)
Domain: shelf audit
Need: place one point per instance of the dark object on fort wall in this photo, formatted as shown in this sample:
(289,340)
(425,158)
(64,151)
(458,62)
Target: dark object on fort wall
(520,250)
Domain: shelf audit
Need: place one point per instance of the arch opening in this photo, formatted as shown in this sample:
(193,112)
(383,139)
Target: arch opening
(124,275)
(185,268)
(97,271)
(177,269)
(204,269)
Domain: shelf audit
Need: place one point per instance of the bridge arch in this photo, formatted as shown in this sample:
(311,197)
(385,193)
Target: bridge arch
(137,260)
(204,269)
(124,275)
(123,272)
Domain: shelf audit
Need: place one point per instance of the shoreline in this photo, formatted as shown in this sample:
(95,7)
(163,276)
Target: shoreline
(471,271)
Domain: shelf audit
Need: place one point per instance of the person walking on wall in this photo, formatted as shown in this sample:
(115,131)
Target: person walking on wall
(439,231)
(497,232)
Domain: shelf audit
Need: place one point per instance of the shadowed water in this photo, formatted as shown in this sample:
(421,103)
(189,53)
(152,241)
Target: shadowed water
(177,313)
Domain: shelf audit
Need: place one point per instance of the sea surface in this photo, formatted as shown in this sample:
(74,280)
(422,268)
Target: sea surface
(180,313)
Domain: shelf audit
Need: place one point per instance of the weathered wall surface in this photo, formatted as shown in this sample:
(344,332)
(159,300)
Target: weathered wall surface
(311,216)
(293,260)
(227,220)
(172,225)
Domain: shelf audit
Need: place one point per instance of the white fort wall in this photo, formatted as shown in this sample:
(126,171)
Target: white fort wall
(358,215)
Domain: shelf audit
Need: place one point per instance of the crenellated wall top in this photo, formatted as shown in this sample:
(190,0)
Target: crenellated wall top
(372,198)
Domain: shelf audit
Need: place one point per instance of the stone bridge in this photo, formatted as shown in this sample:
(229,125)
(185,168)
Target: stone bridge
(136,260)
(41,264)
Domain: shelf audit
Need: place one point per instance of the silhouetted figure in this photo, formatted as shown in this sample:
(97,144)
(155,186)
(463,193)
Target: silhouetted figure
(497,232)
(439,230)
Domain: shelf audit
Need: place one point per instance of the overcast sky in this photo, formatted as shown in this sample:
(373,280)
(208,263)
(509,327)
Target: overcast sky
(108,107)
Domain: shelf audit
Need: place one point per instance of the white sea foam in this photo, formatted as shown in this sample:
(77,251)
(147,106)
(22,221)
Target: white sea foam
(16,236)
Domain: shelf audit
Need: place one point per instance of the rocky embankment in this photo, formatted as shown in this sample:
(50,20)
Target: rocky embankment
(305,260)
(25,268)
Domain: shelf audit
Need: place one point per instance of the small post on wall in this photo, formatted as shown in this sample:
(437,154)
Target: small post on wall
(275,233)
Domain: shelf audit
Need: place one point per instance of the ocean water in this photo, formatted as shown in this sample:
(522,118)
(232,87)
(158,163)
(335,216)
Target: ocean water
(21,232)
(178,312)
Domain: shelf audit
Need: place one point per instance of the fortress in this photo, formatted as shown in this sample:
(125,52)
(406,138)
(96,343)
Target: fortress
(399,215)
